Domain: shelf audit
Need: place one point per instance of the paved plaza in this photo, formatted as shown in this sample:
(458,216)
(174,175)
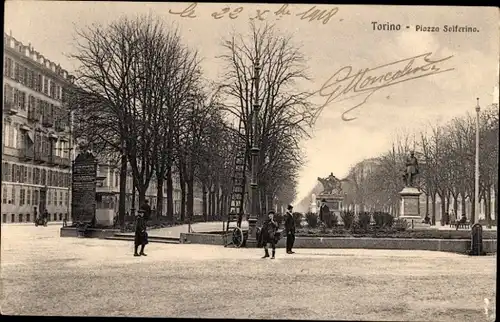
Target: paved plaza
(43,274)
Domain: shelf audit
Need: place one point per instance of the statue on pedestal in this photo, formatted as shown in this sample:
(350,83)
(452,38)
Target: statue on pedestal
(411,170)
(331,185)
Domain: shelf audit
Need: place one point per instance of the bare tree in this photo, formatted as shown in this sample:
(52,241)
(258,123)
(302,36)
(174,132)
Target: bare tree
(284,111)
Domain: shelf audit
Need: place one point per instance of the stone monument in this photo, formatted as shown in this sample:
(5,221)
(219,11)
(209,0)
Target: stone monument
(332,194)
(410,195)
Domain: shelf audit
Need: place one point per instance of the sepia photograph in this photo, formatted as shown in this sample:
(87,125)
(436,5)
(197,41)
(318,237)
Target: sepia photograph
(249,161)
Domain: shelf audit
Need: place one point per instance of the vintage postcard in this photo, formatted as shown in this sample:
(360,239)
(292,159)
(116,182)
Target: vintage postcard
(250,161)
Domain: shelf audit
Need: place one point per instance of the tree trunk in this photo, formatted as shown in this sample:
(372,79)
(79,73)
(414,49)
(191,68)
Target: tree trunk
(170,196)
(134,189)
(123,191)
(433,208)
(213,203)
(218,197)
(487,204)
(190,197)
(463,204)
(204,204)
(426,204)
(443,209)
(182,179)
(455,205)
(142,195)
(159,198)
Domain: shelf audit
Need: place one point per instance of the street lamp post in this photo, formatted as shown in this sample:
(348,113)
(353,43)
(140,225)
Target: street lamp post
(476,172)
(252,220)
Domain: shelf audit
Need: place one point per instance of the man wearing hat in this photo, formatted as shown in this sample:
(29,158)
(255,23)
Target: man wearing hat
(289,229)
(324,211)
(141,236)
(268,234)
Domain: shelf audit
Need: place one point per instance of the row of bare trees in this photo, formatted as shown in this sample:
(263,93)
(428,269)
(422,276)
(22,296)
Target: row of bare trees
(447,161)
(140,100)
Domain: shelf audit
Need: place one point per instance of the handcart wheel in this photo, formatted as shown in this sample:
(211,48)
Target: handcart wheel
(237,237)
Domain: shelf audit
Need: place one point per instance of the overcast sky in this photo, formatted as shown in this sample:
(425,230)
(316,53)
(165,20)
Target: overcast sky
(347,39)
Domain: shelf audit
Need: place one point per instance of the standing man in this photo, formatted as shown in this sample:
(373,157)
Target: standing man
(268,234)
(141,236)
(289,229)
(324,211)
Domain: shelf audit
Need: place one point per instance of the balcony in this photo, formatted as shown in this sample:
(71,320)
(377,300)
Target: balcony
(40,157)
(37,157)
(10,107)
(47,121)
(27,153)
(33,117)
(64,162)
(60,126)
(52,159)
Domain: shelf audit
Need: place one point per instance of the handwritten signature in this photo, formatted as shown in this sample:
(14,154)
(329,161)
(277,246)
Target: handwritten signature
(312,14)
(345,85)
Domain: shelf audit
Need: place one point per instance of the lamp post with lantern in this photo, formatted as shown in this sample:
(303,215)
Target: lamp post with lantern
(476,172)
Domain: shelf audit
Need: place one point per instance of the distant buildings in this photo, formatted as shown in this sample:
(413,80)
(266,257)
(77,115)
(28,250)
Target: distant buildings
(36,135)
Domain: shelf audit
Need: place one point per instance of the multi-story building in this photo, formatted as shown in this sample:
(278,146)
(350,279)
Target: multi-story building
(36,135)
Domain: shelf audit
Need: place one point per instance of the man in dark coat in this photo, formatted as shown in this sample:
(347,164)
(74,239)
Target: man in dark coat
(268,234)
(289,229)
(141,236)
(324,211)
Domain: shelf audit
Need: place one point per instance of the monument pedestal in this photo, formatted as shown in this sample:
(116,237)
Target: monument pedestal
(410,207)
(334,203)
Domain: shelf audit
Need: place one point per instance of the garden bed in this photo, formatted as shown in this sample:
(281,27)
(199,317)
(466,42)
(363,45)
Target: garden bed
(392,233)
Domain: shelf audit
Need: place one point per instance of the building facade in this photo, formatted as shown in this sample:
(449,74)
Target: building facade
(36,135)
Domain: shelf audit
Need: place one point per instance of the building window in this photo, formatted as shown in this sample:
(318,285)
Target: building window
(22,197)
(28,196)
(24,76)
(8,95)
(45,85)
(12,218)
(20,217)
(29,78)
(16,71)
(4,218)
(4,195)
(23,175)
(55,197)
(49,179)
(28,217)
(18,173)
(40,83)
(8,67)
(44,177)
(22,101)
(66,201)
(60,217)
(36,176)
(49,195)
(60,198)
(30,175)
(5,171)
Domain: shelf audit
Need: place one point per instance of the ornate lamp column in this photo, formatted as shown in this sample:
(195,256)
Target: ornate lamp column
(476,172)
(252,220)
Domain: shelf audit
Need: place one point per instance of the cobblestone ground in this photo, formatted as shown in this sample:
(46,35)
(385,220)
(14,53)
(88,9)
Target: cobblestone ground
(43,274)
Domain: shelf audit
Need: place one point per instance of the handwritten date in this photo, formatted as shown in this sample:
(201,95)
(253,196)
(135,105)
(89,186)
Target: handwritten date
(312,14)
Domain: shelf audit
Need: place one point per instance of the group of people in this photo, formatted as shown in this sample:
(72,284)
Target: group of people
(269,235)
